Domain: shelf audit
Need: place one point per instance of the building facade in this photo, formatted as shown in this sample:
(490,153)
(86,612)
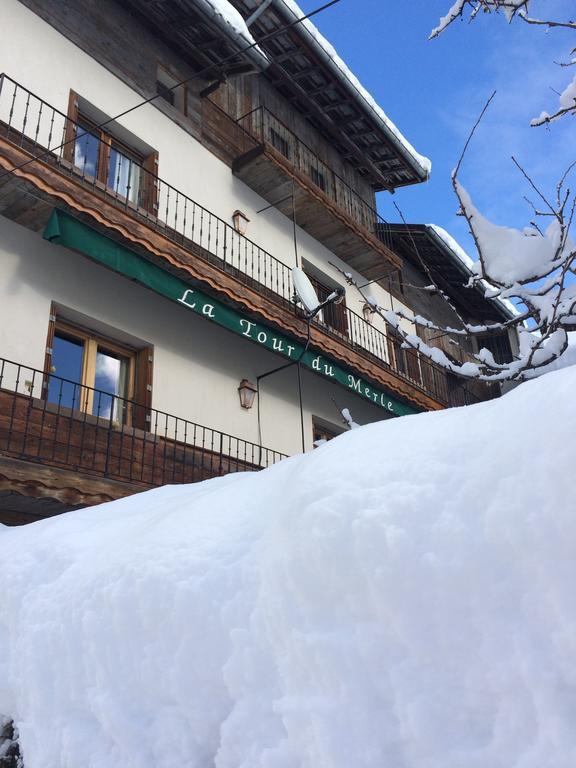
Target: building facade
(146,290)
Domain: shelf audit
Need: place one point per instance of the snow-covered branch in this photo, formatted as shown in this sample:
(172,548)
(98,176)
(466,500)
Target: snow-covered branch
(517,9)
(534,267)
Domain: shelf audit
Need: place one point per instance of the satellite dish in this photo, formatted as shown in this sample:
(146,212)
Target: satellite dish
(305,290)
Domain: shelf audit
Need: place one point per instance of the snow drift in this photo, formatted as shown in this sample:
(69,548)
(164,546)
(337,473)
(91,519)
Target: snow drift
(403,596)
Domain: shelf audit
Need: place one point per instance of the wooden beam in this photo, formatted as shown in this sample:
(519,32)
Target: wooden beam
(37,481)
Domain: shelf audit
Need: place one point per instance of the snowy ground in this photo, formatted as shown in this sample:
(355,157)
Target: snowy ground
(403,597)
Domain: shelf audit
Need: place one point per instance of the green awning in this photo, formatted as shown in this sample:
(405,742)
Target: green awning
(72,233)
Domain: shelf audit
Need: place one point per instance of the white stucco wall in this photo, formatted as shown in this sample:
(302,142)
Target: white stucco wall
(197,365)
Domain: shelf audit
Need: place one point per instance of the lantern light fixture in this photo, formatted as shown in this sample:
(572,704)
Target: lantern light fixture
(247,392)
(240,222)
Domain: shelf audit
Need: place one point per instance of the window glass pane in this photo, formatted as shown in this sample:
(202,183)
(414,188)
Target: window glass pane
(86,151)
(67,355)
(110,379)
(123,175)
(499,346)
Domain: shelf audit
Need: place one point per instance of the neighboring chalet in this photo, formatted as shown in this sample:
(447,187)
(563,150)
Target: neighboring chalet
(146,280)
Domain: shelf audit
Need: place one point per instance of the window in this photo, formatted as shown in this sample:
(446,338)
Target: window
(99,154)
(90,374)
(321,432)
(499,345)
(166,82)
(280,143)
(318,178)
(405,361)
(165,92)
(95,375)
(334,315)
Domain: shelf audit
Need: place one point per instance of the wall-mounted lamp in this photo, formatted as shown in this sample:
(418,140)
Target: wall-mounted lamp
(368,313)
(240,222)
(247,392)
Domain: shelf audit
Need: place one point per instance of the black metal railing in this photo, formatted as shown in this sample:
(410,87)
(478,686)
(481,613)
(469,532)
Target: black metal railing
(61,423)
(30,122)
(264,126)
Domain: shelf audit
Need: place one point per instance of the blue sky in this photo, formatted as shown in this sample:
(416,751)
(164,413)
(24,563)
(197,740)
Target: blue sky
(434,91)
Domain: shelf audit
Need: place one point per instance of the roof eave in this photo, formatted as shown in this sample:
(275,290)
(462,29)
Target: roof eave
(421,171)
(466,271)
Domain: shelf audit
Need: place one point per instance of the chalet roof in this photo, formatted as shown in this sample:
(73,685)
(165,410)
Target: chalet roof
(449,265)
(303,66)
(309,72)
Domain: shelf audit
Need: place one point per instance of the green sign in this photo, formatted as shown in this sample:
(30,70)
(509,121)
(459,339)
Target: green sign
(68,231)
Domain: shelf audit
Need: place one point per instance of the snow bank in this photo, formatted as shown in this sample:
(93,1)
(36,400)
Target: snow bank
(403,596)
(232,22)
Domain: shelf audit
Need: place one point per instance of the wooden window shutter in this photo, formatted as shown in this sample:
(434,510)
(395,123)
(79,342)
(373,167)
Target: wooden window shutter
(149,185)
(413,365)
(143,388)
(395,352)
(48,351)
(70,127)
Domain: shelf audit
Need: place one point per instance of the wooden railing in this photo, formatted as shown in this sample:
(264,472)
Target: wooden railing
(263,126)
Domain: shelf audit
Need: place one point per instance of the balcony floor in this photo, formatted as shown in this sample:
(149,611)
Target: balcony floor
(272,176)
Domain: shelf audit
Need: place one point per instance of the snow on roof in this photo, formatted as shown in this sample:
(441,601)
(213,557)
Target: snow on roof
(456,249)
(227,16)
(335,610)
(423,164)
(453,245)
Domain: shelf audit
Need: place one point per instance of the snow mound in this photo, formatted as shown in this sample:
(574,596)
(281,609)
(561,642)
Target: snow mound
(402,596)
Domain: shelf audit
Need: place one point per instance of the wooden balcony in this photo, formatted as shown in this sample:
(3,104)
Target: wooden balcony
(58,452)
(169,229)
(271,159)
